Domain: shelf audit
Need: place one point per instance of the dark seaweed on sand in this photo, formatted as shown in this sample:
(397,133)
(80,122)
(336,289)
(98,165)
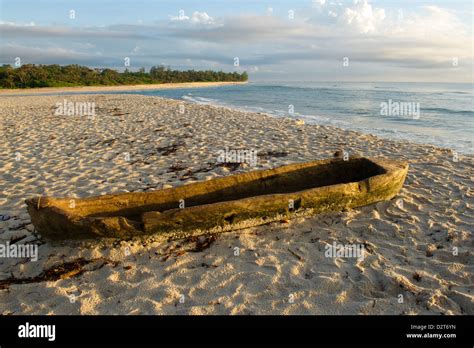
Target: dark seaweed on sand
(62,271)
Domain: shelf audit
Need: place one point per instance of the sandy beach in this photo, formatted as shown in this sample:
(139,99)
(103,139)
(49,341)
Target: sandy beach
(143,87)
(419,246)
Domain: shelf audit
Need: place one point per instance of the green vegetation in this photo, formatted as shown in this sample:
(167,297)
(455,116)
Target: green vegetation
(30,76)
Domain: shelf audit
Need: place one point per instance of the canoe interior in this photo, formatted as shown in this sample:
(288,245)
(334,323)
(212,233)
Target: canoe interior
(244,186)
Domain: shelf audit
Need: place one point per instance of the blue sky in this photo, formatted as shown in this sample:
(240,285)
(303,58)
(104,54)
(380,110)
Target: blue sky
(274,40)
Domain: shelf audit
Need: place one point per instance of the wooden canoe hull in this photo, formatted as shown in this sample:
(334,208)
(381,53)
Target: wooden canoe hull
(222,204)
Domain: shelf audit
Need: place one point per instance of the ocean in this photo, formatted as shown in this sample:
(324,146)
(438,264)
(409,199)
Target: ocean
(427,113)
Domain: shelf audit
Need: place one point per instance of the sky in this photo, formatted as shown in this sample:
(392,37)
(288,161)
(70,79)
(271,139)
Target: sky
(294,40)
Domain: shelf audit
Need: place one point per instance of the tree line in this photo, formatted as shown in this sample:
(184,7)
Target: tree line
(31,76)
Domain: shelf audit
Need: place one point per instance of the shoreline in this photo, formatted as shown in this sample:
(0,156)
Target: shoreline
(385,132)
(233,108)
(79,89)
(329,126)
(409,239)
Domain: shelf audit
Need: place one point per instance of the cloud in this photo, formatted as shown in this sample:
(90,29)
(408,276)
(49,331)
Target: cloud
(376,41)
(318,3)
(12,30)
(201,18)
(197,18)
(362,17)
(46,55)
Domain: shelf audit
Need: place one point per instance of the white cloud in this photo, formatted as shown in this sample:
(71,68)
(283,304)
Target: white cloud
(199,18)
(362,17)
(179,18)
(318,3)
(30,24)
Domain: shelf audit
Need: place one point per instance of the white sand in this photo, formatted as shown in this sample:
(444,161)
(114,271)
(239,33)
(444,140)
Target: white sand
(280,268)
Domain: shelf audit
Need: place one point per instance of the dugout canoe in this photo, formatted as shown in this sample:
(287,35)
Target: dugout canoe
(222,204)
